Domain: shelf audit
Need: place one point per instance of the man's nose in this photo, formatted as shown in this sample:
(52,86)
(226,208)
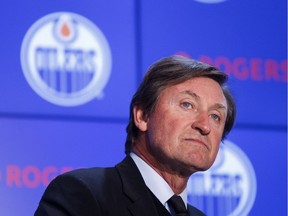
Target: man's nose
(202,123)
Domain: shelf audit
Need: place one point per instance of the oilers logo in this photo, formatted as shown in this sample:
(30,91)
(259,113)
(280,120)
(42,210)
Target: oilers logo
(228,187)
(66,59)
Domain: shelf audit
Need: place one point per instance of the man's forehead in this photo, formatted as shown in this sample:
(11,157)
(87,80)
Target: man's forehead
(221,104)
(206,88)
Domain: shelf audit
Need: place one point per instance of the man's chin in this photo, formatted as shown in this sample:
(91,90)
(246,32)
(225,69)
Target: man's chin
(200,168)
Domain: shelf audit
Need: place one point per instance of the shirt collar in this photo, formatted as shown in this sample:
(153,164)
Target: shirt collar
(155,182)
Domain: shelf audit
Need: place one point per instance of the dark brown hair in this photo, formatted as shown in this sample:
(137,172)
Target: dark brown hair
(171,71)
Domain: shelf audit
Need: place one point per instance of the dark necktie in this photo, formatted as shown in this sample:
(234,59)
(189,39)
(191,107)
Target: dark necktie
(178,206)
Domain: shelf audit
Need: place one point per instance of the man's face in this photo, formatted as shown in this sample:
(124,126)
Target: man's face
(185,130)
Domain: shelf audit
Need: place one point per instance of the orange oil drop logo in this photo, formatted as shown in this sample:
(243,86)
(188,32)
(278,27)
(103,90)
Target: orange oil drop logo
(65,30)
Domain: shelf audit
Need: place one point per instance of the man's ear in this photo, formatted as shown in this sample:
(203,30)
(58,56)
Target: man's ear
(140,119)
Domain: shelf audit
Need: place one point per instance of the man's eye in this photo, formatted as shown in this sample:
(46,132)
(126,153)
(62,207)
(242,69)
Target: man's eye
(186,105)
(215,117)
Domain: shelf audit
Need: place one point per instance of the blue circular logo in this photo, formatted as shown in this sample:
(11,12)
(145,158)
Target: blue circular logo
(66,59)
(228,187)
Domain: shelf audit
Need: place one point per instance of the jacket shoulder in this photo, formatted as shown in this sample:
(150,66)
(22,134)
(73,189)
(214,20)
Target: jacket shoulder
(94,178)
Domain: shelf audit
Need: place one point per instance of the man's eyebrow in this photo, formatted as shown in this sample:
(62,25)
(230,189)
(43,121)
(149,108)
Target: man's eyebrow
(191,93)
(197,97)
(219,106)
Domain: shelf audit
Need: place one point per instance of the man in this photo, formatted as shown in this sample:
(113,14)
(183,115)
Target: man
(178,117)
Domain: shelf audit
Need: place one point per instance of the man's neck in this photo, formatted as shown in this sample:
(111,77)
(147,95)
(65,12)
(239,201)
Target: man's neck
(176,181)
(156,183)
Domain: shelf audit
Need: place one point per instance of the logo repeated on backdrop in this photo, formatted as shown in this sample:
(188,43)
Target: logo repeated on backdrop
(66,59)
(243,68)
(228,187)
(31,176)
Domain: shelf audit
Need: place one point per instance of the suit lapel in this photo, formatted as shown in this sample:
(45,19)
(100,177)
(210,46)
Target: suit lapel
(134,187)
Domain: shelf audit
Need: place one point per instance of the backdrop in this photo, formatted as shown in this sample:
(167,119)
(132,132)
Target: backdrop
(70,68)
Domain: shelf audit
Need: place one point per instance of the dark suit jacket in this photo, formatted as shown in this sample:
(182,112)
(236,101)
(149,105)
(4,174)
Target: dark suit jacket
(114,191)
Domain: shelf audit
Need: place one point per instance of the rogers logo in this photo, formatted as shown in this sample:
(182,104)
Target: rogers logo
(30,176)
(243,68)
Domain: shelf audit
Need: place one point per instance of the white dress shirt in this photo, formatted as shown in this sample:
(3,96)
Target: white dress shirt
(156,183)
